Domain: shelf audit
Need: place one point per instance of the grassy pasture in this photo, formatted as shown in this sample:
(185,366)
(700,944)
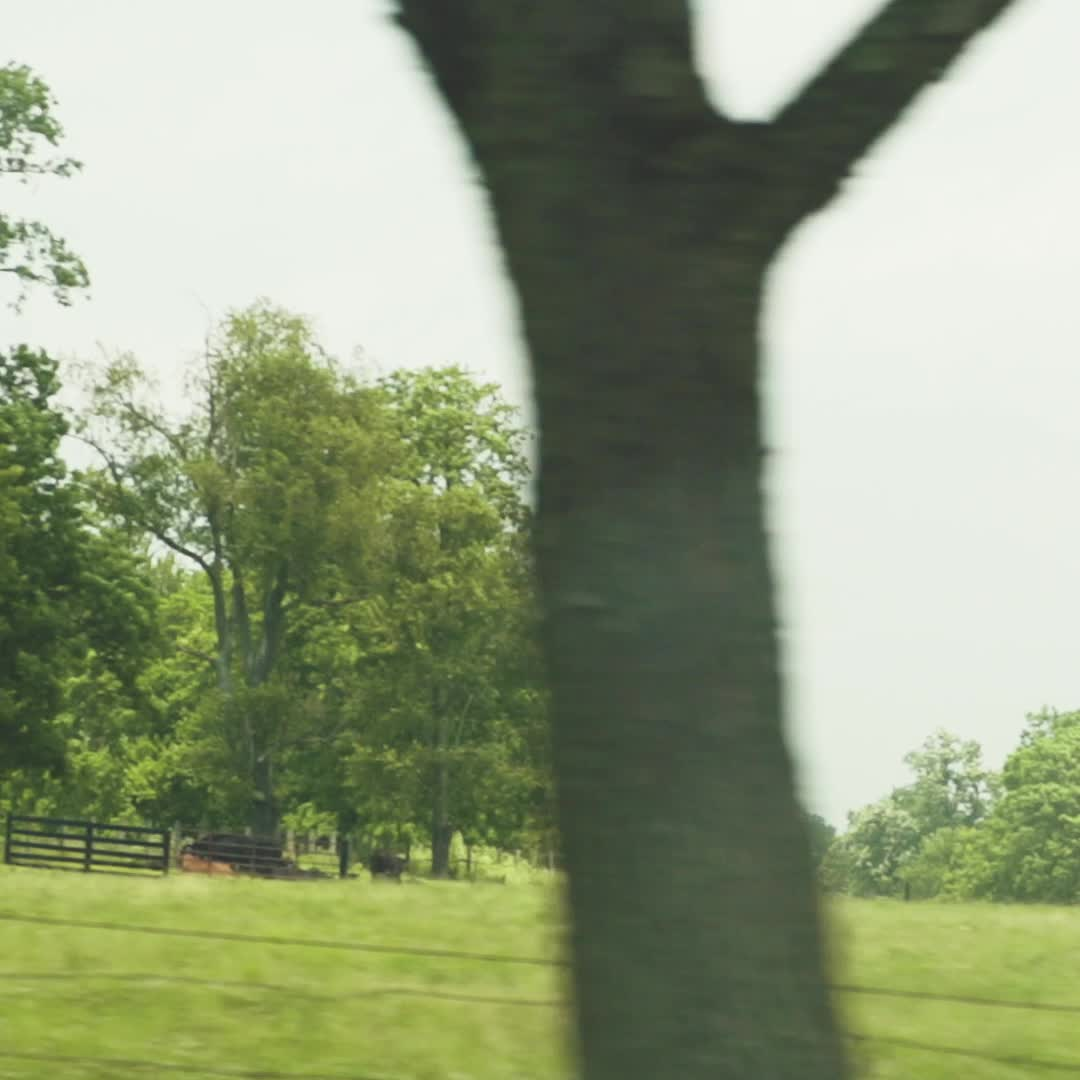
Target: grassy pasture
(235,1007)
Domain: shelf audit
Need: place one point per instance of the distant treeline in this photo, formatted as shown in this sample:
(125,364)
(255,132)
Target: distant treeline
(297,598)
(960,831)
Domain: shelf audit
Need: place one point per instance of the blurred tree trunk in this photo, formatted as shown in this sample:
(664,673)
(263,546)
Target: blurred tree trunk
(638,226)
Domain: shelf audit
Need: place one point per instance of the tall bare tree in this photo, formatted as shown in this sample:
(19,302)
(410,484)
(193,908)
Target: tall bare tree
(637,226)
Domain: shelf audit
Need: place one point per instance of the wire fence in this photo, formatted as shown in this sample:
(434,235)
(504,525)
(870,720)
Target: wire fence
(290,942)
(150,978)
(138,1065)
(462,954)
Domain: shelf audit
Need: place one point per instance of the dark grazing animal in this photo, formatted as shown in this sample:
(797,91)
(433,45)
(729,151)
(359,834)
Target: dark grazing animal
(387,864)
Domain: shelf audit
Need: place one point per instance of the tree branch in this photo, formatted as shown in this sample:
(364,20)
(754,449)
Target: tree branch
(206,657)
(858,96)
(180,549)
(155,425)
(117,477)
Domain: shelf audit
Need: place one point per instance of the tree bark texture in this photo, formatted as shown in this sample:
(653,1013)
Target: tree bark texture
(637,226)
(690,879)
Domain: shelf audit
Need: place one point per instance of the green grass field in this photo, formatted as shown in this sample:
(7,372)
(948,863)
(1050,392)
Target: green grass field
(236,1008)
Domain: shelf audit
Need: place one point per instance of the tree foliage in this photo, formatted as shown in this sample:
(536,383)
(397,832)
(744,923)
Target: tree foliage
(960,831)
(952,788)
(30,250)
(73,593)
(909,838)
(873,851)
(447,676)
(268,485)
(40,528)
(347,620)
(1029,847)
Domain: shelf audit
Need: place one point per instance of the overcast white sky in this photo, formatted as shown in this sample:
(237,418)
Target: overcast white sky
(923,384)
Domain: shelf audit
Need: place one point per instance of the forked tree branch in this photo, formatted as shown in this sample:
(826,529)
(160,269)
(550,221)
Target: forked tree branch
(180,549)
(858,96)
(117,476)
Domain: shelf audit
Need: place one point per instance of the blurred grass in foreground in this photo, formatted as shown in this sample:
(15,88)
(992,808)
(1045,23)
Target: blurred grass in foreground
(331,1012)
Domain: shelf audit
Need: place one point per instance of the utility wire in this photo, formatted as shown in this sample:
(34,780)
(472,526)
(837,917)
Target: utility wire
(295,991)
(310,943)
(455,954)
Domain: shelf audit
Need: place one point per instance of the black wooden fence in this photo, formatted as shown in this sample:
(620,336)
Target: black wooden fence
(67,844)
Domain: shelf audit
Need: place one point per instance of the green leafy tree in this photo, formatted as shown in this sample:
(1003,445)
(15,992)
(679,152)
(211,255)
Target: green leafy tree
(876,846)
(178,772)
(451,691)
(942,863)
(101,715)
(952,787)
(72,591)
(269,486)
(29,250)
(1029,847)
(453,713)
(1046,722)
(639,225)
(40,534)
(893,845)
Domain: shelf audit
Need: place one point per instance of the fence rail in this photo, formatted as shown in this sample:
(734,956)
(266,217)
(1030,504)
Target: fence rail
(71,844)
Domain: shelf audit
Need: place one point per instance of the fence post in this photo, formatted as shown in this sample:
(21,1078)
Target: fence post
(7,839)
(88,855)
(343,856)
(166,850)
